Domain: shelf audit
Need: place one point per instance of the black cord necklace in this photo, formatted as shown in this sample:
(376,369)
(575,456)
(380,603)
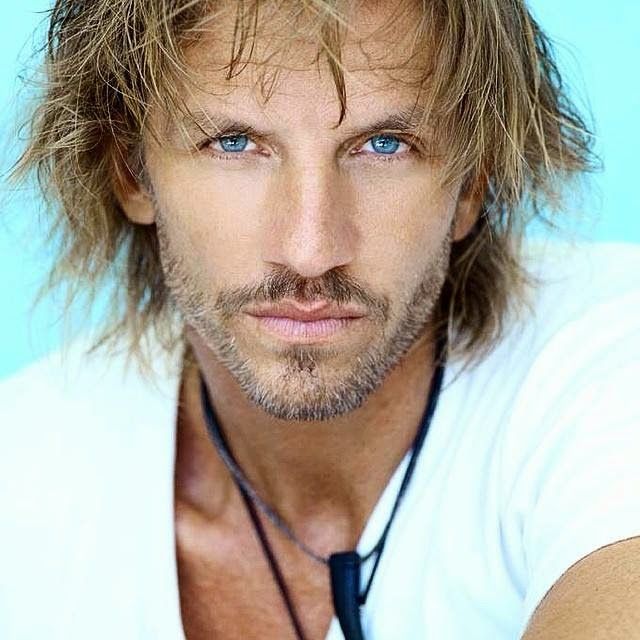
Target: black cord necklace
(345,566)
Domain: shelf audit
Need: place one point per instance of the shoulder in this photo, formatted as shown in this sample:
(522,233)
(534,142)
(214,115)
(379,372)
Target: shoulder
(575,352)
(570,442)
(584,325)
(75,386)
(582,316)
(581,324)
(68,419)
(85,472)
(573,282)
(585,313)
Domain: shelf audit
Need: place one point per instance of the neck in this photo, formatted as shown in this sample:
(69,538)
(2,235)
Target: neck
(310,473)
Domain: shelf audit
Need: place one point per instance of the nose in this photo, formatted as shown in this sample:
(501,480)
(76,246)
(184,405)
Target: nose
(310,220)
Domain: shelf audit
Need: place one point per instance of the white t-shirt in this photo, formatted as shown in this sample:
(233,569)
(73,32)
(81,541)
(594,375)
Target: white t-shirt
(532,461)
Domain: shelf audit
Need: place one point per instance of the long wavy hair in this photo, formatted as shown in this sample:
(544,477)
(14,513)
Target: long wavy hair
(492,88)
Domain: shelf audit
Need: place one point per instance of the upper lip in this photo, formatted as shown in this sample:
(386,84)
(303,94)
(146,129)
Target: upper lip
(305,314)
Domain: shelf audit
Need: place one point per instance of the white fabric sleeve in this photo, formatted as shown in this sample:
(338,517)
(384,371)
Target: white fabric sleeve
(576,446)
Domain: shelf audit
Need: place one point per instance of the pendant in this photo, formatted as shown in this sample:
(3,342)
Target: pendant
(345,591)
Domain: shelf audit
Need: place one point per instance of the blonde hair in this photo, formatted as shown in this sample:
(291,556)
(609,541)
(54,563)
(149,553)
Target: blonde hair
(493,87)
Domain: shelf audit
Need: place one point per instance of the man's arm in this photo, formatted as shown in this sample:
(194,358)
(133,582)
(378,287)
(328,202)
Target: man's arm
(598,598)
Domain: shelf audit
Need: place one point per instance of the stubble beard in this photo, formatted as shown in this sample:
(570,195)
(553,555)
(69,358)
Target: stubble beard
(303,389)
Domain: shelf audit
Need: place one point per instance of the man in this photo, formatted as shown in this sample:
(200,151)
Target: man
(309,213)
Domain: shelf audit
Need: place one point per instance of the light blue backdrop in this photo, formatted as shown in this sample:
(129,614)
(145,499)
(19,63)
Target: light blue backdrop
(599,53)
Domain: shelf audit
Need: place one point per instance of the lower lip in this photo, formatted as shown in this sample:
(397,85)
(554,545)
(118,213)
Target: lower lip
(296,329)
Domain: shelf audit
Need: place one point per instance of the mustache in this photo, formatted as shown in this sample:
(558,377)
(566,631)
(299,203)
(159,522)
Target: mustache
(334,286)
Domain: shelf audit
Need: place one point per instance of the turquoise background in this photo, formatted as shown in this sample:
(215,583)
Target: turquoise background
(599,52)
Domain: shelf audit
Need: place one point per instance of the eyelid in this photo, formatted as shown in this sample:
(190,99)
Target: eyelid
(229,133)
(235,134)
(412,141)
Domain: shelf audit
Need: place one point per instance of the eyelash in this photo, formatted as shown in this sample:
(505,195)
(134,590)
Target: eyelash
(411,150)
(390,157)
(207,144)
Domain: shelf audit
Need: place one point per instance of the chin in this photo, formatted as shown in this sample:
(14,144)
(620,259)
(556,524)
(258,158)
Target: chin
(299,387)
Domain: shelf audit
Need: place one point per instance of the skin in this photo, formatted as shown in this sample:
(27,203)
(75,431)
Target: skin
(598,598)
(310,212)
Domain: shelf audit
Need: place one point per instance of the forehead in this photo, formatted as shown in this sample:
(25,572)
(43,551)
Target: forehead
(277,60)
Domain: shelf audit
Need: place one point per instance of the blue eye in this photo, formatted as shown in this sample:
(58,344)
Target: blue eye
(385,144)
(234,144)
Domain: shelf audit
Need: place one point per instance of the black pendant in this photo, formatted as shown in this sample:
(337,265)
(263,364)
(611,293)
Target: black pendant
(345,590)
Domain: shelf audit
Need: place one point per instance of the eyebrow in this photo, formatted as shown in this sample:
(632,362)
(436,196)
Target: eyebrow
(203,122)
(408,120)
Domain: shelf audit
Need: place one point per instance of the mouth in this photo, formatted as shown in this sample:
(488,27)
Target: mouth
(311,323)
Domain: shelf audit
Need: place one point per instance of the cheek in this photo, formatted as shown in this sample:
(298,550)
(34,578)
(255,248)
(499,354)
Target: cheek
(212,219)
(406,221)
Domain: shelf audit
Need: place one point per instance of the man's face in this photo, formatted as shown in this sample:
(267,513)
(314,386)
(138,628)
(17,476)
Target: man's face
(285,207)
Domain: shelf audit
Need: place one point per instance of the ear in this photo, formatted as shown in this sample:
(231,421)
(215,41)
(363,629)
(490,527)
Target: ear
(132,195)
(469,206)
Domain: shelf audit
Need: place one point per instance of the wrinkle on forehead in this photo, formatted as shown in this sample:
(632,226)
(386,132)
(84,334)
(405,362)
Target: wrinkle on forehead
(379,48)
